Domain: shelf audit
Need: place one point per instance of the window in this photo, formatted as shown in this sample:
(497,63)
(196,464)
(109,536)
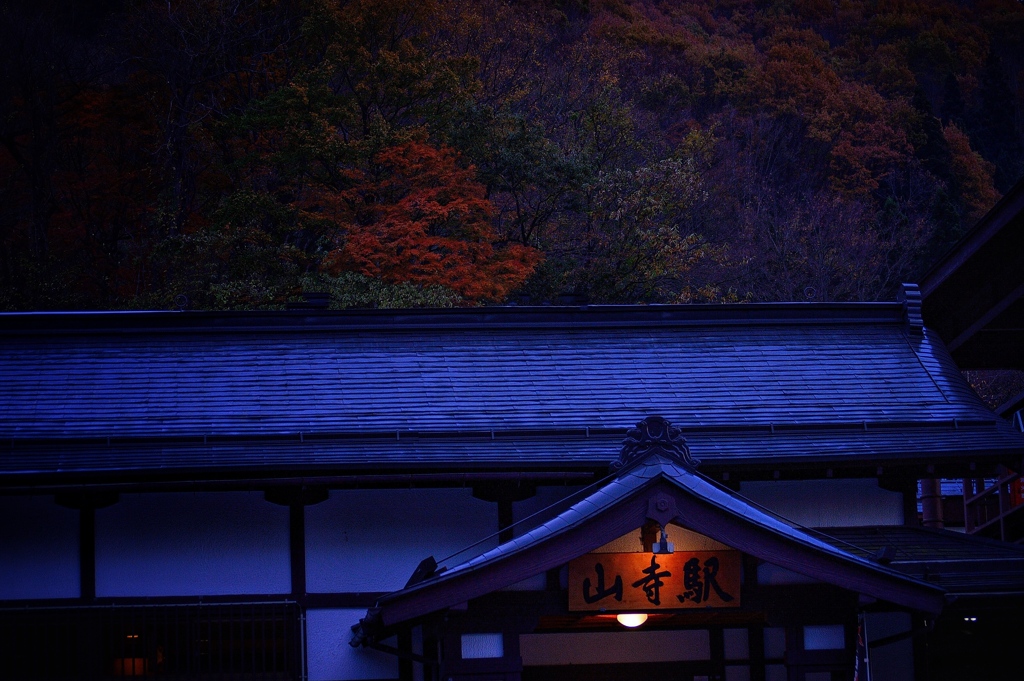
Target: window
(824,637)
(479,646)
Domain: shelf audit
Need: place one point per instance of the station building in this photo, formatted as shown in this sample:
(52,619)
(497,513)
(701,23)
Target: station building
(482,493)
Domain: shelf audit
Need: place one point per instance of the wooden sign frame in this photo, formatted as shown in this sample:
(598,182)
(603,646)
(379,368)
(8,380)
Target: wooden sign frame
(633,582)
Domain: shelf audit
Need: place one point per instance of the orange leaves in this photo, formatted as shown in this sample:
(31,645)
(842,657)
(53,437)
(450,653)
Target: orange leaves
(265,141)
(852,120)
(972,172)
(418,217)
(865,144)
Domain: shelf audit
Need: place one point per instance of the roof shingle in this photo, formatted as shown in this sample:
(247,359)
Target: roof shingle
(744,383)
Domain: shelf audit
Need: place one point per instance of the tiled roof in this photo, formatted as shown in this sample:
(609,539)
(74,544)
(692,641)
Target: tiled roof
(518,387)
(702,506)
(959,563)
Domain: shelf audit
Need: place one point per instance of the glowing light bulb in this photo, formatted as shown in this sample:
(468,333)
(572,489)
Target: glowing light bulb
(631,619)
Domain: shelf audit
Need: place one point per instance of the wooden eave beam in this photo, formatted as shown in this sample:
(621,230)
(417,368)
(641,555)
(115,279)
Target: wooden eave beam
(980,277)
(986,318)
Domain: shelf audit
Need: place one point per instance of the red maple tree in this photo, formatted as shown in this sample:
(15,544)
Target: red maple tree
(417,216)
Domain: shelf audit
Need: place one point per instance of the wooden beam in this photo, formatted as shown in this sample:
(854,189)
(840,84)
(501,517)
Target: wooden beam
(87,552)
(986,317)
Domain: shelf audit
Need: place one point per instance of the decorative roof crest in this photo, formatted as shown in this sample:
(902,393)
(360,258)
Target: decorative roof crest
(655,435)
(910,296)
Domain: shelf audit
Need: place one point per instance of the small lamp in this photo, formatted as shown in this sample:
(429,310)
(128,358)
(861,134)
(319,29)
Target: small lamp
(631,619)
(664,545)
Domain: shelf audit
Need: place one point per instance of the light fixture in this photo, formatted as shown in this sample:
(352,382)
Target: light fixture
(663,546)
(631,619)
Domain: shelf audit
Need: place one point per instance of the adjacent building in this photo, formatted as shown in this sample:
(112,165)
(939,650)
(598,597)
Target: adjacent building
(973,298)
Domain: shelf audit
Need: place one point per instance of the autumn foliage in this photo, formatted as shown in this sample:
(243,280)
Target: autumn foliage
(235,153)
(418,217)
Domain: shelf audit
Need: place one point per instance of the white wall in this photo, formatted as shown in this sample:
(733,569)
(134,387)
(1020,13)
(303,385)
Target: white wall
(828,503)
(614,647)
(773,575)
(38,549)
(372,540)
(329,656)
(199,544)
(530,513)
(680,537)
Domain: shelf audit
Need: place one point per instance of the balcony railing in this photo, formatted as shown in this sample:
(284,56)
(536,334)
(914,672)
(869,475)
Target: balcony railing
(995,508)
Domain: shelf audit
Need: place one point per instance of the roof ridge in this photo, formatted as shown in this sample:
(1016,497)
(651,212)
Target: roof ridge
(502,317)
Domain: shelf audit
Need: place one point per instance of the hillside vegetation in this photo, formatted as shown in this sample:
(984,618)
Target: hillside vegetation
(224,154)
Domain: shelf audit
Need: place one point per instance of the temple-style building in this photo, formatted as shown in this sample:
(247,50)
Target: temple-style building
(698,492)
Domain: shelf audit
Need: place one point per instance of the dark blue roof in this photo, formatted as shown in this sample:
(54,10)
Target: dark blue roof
(492,387)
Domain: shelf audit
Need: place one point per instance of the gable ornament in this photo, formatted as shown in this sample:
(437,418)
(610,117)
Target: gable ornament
(655,435)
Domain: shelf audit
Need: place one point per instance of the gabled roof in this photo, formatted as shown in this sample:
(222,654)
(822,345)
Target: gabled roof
(662,487)
(203,396)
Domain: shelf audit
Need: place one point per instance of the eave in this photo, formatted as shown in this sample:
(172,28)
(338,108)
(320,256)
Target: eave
(786,451)
(622,505)
(973,297)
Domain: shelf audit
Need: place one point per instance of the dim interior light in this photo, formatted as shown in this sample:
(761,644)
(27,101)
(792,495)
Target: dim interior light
(130,666)
(631,619)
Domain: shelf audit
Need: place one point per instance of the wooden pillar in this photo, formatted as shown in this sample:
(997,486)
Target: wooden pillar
(931,503)
(405,661)
(296,499)
(86,504)
(87,552)
(504,494)
(755,654)
(505,520)
(297,549)
(431,652)
(717,653)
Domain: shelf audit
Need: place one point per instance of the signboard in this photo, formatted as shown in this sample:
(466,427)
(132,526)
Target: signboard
(655,581)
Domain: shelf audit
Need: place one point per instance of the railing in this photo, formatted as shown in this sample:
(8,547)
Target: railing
(237,641)
(995,508)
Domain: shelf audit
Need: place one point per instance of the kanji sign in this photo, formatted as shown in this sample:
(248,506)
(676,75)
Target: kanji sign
(655,581)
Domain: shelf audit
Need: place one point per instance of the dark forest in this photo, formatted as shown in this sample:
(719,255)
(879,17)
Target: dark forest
(235,154)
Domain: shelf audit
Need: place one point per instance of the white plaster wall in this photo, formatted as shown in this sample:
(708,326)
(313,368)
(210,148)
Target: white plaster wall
(372,540)
(38,549)
(681,538)
(329,656)
(200,544)
(538,582)
(530,513)
(828,503)
(614,647)
(773,575)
